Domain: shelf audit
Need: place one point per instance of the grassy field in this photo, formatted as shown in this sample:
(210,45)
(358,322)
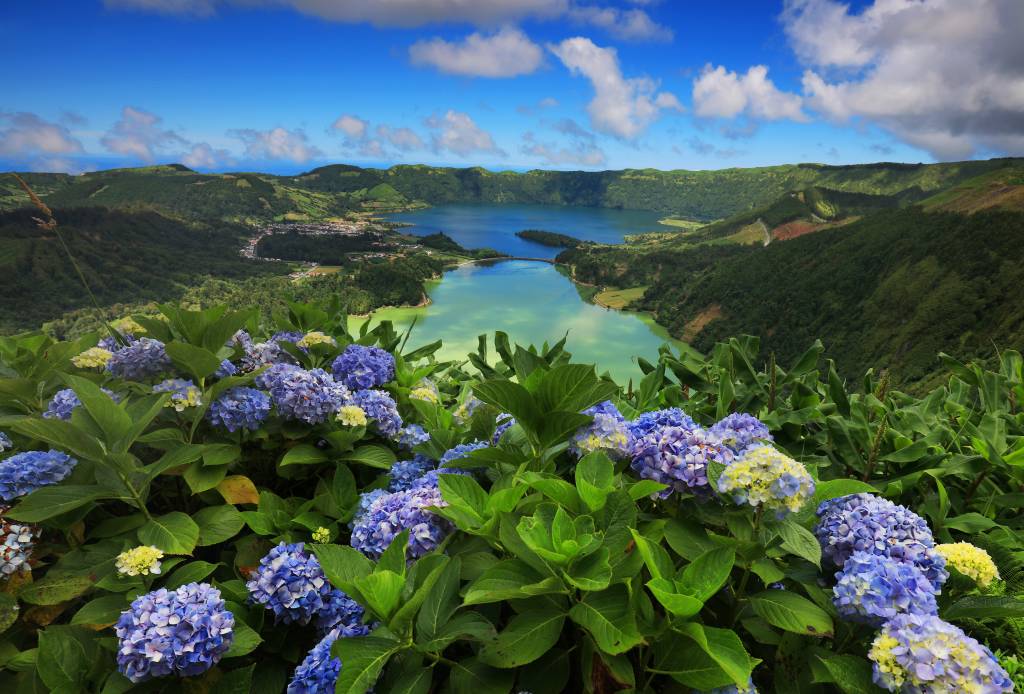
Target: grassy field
(619,298)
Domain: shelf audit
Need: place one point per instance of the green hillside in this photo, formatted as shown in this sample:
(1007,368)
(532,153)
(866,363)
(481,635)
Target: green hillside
(1001,189)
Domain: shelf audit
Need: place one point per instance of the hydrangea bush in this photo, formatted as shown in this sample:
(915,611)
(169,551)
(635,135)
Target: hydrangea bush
(210,504)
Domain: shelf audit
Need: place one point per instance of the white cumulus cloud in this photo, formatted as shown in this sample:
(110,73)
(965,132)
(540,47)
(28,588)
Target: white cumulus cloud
(578,153)
(277,143)
(28,135)
(351,126)
(506,53)
(623,107)
(204,156)
(140,134)
(457,133)
(403,139)
(626,25)
(720,93)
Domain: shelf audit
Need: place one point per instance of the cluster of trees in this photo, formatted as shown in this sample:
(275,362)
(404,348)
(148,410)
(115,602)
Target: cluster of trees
(550,238)
(327,249)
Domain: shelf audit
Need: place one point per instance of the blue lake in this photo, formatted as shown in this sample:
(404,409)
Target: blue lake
(495,226)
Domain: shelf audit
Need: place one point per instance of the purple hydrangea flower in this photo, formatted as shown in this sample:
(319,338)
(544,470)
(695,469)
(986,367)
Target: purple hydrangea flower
(740,430)
(381,408)
(873,589)
(239,408)
(23,473)
(647,422)
(341,612)
(63,403)
(319,670)
(183,632)
(16,543)
(411,436)
(405,472)
(460,451)
(184,393)
(921,654)
(308,396)
(608,432)
(5,442)
(275,373)
(140,360)
(225,369)
(390,514)
(679,457)
(258,354)
(503,423)
(290,582)
(868,523)
(430,477)
(366,500)
(111,345)
(292,336)
(360,367)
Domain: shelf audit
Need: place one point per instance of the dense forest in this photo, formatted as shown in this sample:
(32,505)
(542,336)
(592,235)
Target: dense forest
(550,238)
(327,249)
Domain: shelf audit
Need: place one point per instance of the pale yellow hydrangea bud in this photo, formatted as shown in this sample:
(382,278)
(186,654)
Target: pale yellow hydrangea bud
(315,338)
(321,535)
(971,561)
(140,561)
(128,326)
(425,394)
(352,416)
(94,357)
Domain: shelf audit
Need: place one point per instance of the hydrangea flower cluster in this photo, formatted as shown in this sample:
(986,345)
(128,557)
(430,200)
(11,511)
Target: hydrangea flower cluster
(225,369)
(26,472)
(740,430)
(139,561)
(315,337)
(321,535)
(921,654)
(381,409)
(184,393)
(307,396)
(366,500)
(503,423)
(239,408)
(679,457)
(140,360)
(62,404)
(460,451)
(5,442)
(648,422)
(971,561)
(608,432)
(290,582)
(361,367)
(405,472)
(352,416)
(763,477)
(259,354)
(464,412)
(873,589)
(128,326)
(183,632)
(411,436)
(319,670)
(426,390)
(16,544)
(92,358)
(868,523)
(341,612)
(389,514)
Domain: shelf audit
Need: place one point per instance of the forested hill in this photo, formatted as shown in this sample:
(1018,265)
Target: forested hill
(338,189)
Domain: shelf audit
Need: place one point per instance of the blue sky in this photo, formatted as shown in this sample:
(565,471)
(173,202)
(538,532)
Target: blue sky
(285,85)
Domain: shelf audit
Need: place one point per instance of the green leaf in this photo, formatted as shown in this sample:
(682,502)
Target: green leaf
(792,612)
(998,607)
(217,524)
(220,454)
(101,613)
(52,591)
(381,591)
(464,493)
(654,555)
(471,676)
(304,454)
(364,658)
(8,611)
(237,681)
(724,647)
(341,564)
(201,478)
(111,419)
(527,637)
(706,574)
(245,640)
(849,672)
(191,572)
(66,656)
(609,618)
(591,572)
(645,488)
(174,533)
(48,502)
(798,540)
(200,363)
(508,580)
(509,397)
(595,474)
(668,594)
(373,456)
(441,601)
(63,435)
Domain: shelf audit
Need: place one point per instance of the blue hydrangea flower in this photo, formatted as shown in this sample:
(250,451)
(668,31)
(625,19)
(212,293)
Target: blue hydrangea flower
(464,412)
(411,436)
(366,500)
(460,451)
(872,589)
(390,514)
(430,477)
(23,473)
(503,423)
(765,478)
(111,345)
(608,432)
(319,670)
(273,374)
(292,336)
(381,408)
(679,457)
(405,472)
(290,582)
(225,369)
(360,367)
(241,338)
(921,654)
(868,523)
(740,430)
(341,612)
(258,354)
(140,360)
(308,396)
(5,442)
(183,632)
(239,408)
(647,422)
(184,393)
(16,544)
(63,403)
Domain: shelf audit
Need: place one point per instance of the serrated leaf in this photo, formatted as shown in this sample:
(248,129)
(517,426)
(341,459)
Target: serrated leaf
(527,637)
(792,612)
(174,533)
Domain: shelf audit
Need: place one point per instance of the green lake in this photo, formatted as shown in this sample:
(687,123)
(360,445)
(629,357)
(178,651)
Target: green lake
(533,302)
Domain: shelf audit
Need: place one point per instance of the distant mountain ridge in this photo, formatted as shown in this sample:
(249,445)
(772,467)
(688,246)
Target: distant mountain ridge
(341,188)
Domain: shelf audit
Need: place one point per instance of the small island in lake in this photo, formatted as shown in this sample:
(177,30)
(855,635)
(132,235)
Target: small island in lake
(551,238)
